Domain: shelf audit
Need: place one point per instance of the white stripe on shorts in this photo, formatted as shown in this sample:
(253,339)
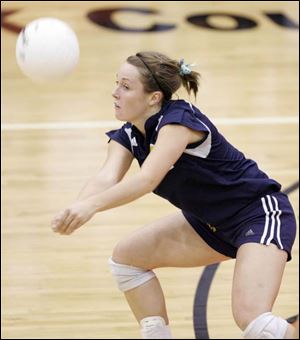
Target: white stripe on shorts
(272,219)
(270,229)
(262,240)
(278,222)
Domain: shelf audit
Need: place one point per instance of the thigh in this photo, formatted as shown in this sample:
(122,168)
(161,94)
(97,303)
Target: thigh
(167,242)
(257,278)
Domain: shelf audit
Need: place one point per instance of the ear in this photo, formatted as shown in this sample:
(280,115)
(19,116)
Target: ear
(155,98)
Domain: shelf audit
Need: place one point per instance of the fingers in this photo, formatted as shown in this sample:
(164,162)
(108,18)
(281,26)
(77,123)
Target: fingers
(56,219)
(66,222)
(59,219)
(59,223)
(75,224)
(68,219)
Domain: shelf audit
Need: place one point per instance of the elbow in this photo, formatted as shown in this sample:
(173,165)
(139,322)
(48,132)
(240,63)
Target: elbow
(149,182)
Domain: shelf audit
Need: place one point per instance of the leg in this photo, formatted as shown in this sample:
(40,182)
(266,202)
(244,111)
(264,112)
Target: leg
(257,278)
(168,242)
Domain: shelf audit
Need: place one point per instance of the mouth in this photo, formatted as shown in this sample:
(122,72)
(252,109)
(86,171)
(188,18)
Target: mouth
(116,106)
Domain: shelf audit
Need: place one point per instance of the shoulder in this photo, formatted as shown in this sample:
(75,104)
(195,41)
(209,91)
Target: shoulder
(179,105)
(183,113)
(122,135)
(124,130)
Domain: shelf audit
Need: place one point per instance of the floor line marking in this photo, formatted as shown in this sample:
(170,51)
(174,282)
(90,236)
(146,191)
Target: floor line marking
(116,124)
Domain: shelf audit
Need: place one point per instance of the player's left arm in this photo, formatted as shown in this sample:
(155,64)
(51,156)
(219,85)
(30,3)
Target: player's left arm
(171,143)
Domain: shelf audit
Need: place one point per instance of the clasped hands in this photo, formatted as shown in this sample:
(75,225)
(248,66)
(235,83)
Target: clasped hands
(72,218)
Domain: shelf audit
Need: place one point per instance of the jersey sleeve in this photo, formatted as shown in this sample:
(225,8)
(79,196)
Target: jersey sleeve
(120,136)
(186,116)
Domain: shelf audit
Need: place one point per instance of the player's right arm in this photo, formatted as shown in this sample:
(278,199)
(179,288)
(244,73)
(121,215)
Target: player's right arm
(116,165)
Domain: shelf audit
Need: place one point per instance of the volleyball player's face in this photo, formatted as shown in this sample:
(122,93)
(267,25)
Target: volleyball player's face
(131,102)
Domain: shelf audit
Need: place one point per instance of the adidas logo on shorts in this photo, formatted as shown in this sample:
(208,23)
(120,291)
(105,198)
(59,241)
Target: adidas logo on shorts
(250,232)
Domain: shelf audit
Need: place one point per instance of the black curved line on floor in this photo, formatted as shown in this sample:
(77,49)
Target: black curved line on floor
(202,290)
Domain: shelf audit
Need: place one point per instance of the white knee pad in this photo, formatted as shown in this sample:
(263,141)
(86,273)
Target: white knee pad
(129,277)
(266,326)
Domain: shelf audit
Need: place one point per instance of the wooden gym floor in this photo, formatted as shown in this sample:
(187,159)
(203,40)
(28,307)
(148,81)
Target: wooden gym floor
(53,140)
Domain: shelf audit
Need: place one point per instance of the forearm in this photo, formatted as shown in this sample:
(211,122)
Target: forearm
(94,186)
(121,193)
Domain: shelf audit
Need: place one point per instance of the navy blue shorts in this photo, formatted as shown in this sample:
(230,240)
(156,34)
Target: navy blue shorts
(269,219)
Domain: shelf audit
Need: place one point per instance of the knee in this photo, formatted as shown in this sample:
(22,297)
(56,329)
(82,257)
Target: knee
(242,319)
(122,252)
(125,267)
(258,323)
(129,277)
(266,326)
(245,312)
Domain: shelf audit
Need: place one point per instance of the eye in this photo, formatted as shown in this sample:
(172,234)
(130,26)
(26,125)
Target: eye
(125,86)
(122,84)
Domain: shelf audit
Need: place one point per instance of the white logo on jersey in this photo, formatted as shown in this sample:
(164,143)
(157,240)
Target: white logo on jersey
(133,141)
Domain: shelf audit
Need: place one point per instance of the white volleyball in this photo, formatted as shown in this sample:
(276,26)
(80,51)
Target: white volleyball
(47,49)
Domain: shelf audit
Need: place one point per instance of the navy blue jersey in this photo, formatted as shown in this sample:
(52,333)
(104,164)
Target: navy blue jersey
(211,180)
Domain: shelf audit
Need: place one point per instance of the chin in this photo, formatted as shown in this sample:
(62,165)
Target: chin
(119,116)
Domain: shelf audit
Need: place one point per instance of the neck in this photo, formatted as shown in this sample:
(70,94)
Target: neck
(140,122)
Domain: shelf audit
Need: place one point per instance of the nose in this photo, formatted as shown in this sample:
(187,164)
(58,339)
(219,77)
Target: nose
(115,93)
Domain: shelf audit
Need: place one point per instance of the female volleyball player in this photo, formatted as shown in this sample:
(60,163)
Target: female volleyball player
(228,207)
